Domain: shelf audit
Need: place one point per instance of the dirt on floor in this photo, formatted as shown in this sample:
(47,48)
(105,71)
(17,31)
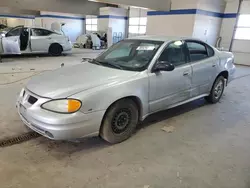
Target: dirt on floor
(207,146)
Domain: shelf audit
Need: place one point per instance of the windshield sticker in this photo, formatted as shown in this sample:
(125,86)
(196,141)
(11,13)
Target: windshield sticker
(146,48)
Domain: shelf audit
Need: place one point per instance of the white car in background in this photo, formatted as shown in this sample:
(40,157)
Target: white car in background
(36,40)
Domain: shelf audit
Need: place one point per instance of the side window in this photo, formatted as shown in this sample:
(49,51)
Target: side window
(210,51)
(14,32)
(197,51)
(40,32)
(174,54)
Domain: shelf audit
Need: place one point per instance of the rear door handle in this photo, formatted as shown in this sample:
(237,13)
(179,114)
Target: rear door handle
(214,65)
(186,74)
(49,38)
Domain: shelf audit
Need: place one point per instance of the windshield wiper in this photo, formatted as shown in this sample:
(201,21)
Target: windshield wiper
(104,63)
(111,65)
(95,61)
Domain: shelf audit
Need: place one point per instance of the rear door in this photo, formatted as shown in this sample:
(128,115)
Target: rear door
(40,39)
(203,62)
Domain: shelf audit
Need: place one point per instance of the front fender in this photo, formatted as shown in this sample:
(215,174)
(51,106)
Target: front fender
(100,98)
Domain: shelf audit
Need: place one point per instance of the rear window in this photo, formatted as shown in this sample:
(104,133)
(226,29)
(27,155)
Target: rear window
(40,32)
(197,51)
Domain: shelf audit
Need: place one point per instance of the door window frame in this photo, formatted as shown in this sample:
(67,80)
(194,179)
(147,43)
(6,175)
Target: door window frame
(158,54)
(32,31)
(14,28)
(201,43)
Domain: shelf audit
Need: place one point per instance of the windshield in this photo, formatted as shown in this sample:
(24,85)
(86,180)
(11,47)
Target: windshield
(133,55)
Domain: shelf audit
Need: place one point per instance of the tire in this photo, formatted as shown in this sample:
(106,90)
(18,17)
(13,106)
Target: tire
(217,90)
(120,121)
(55,49)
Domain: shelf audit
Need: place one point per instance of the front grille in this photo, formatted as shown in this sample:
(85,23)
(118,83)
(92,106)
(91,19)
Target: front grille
(32,100)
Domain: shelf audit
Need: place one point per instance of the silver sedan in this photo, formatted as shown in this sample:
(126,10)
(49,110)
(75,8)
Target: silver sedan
(109,95)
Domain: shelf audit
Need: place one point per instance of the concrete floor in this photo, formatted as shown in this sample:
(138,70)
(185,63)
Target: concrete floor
(209,147)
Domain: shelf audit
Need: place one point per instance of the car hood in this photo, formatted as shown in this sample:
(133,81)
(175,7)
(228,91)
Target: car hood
(66,81)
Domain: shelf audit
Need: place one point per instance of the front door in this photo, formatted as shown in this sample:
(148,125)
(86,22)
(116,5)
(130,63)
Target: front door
(170,88)
(11,42)
(203,62)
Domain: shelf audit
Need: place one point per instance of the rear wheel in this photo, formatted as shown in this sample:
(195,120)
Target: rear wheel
(55,49)
(217,90)
(120,121)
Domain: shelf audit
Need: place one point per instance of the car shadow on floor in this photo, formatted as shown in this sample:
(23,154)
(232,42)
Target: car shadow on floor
(89,145)
(173,112)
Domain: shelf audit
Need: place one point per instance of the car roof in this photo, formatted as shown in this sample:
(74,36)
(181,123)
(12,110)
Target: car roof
(161,38)
(32,27)
(40,28)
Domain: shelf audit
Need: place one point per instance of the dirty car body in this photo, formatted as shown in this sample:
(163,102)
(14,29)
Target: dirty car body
(164,72)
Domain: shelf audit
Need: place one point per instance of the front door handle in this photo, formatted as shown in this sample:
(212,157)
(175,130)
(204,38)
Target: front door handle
(49,38)
(186,74)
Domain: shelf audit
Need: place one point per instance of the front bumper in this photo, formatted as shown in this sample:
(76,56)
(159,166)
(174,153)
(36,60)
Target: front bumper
(57,126)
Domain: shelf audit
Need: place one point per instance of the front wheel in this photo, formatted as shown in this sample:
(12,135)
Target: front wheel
(217,90)
(120,121)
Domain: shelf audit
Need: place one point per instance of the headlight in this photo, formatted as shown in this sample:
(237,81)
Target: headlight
(63,105)
(22,93)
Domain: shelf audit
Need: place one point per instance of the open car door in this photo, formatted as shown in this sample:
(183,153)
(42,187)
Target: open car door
(11,41)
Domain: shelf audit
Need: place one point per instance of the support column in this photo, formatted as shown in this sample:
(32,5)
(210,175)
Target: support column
(113,21)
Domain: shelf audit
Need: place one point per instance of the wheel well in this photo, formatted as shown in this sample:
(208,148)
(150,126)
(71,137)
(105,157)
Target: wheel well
(56,44)
(134,98)
(224,74)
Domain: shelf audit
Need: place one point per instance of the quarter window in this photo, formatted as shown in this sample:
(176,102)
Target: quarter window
(197,51)
(210,51)
(174,54)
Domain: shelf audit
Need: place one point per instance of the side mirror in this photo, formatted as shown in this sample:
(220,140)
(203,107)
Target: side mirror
(163,66)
